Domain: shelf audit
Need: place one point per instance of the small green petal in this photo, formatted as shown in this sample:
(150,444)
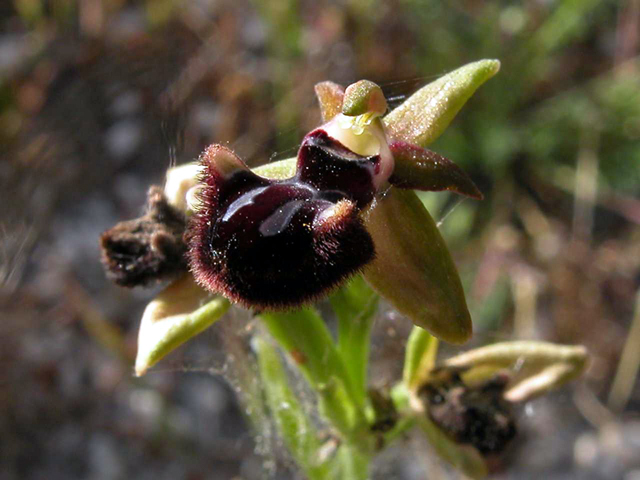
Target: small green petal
(421,169)
(425,114)
(330,97)
(537,367)
(178,313)
(413,268)
(363,97)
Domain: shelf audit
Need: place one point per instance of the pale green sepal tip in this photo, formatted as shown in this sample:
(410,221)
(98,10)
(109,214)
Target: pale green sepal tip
(176,315)
(536,367)
(427,113)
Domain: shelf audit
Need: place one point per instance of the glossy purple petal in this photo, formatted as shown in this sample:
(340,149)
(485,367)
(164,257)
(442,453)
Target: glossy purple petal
(276,244)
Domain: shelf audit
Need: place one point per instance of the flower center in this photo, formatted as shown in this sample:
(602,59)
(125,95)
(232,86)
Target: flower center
(363,135)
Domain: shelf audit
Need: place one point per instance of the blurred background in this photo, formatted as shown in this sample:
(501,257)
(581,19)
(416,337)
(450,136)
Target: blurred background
(99,98)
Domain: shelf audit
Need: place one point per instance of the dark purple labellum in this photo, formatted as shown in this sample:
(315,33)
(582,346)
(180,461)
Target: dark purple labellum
(272,244)
(328,165)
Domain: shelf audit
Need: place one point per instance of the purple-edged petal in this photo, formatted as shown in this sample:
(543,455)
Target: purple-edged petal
(330,97)
(421,169)
(413,268)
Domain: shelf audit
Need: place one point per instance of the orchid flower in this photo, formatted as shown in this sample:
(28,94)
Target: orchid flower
(288,233)
(341,221)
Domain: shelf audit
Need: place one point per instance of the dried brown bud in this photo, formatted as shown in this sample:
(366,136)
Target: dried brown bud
(148,249)
(478,415)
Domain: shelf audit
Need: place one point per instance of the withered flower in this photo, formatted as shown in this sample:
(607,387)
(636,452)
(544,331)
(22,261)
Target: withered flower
(465,404)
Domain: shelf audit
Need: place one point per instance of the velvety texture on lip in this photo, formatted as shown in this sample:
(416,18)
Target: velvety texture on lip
(270,244)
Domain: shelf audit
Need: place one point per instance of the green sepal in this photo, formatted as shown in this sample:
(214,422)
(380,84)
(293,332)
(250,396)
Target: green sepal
(279,170)
(177,314)
(413,268)
(427,113)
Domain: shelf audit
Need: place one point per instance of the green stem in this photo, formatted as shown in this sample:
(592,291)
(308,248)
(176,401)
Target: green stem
(400,399)
(355,306)
(294,426)
(354,463)
(306,339)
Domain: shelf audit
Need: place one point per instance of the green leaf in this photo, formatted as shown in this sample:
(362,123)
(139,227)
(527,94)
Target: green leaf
(330,97)
(421,169)
(419,358)
(413,268)
(536,367)
(355,305)
(428,112)
(293,424)
(178,313)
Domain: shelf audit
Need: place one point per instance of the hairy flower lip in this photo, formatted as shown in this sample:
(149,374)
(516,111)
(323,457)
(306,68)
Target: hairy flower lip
(277,244)
(434,106)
